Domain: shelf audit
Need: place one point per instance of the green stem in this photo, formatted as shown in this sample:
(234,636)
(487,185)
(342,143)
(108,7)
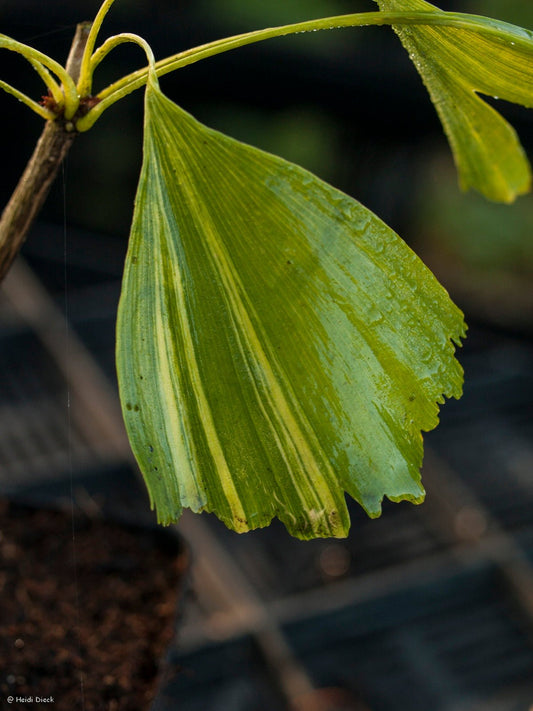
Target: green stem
(86,76)
(117,40)
(36,58)
(121,88)
(34,106)
(53,88)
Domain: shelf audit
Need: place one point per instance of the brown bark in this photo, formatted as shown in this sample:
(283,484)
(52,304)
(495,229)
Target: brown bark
(39,174)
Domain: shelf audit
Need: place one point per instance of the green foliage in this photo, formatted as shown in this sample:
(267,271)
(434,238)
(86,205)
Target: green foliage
(455,64)
(277,343)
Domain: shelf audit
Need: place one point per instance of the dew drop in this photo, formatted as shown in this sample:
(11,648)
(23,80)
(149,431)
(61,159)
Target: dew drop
(374,316)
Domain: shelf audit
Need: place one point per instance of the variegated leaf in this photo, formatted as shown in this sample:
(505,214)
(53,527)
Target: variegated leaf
(278,345)
(456,64)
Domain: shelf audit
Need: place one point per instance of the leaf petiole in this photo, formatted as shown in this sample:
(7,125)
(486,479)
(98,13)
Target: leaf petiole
(53,88)
(124,86)
(117,40)
(33,105)
(86,69)
(65,95)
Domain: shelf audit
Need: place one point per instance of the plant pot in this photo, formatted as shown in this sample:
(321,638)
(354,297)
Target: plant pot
(88,606)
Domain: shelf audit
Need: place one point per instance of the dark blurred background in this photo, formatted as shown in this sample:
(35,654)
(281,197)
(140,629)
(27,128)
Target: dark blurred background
(429,608)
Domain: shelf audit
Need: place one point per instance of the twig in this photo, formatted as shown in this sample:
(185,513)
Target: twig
(34,185)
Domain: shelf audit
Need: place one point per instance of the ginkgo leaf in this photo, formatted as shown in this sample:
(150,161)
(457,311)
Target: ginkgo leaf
(278,345)
(455,64)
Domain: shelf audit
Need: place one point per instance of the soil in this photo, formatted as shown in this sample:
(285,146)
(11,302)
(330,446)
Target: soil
(87,609)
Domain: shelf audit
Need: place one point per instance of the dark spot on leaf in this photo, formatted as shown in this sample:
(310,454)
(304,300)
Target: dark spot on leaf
(136,408)
(134,260)
(150,448)
(411,398)
(128,406)
(289,261)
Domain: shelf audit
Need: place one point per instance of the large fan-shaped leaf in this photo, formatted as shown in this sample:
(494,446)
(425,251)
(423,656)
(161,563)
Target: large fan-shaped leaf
(278,345)
(455,63)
